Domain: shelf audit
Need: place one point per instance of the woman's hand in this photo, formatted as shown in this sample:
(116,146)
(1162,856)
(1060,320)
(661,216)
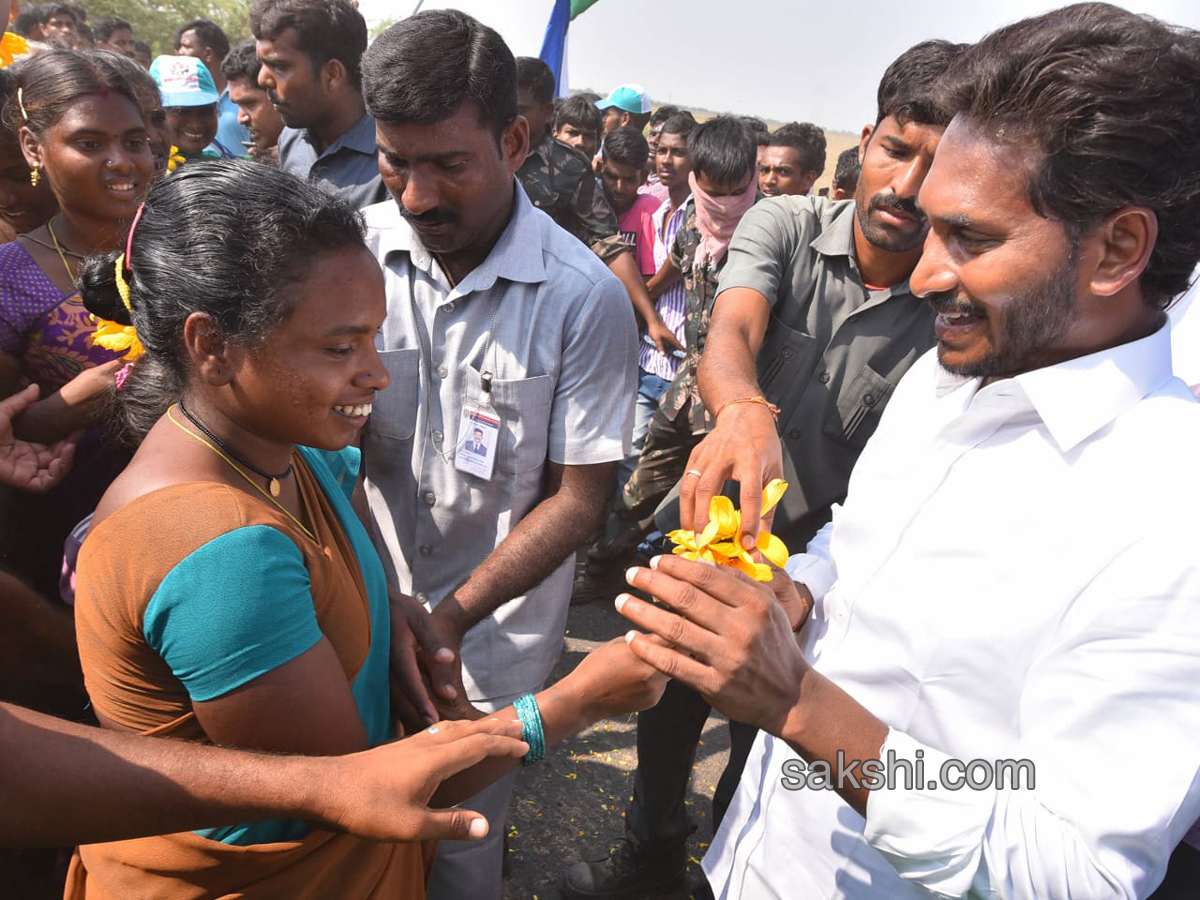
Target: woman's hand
(612,681)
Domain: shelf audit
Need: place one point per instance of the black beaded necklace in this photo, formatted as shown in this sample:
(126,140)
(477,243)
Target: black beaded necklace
(272,480)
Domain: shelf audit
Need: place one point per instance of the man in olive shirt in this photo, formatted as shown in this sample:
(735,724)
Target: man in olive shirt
(817,293)
(815,316)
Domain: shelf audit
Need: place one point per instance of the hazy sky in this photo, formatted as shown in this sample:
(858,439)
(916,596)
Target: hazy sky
(781,59)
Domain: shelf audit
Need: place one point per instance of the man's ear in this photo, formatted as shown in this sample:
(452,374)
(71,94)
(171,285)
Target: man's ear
(514,143)
(865,139)
(333,73)
(214,359)
(1118,249)
(809,179)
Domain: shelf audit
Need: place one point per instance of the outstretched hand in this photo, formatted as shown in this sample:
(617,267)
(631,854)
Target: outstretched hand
(384,793)
(27,465)
(743,446)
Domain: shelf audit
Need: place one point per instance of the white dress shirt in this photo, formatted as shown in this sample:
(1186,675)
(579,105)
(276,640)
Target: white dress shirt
(1014,576)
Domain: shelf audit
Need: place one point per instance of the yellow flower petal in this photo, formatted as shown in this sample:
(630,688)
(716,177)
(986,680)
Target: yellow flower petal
(12,48)
(721,511)
(772,548)
(774,490)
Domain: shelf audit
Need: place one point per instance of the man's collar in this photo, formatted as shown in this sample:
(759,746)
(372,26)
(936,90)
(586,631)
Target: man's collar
(516,256)
(360,137)
(1077,398)
(837,239)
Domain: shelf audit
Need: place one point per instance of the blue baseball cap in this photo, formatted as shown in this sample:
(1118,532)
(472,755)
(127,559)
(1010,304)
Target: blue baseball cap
(184,81)
(630,97)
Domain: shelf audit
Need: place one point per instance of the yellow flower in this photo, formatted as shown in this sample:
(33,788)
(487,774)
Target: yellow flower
(116,337)
(12,48)
(175,159)
(718,542)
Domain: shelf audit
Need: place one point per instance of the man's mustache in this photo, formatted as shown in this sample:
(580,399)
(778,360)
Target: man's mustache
(429,218)
(897,204)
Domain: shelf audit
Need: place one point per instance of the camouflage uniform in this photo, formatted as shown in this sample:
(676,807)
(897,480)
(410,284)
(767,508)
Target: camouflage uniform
(681,419)
(559,182)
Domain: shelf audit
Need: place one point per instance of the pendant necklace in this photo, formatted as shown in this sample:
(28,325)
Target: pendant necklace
(272,480)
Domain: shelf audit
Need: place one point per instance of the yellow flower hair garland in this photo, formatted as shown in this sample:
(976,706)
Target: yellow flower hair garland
(718,543)
(12,48)
(175,159)
(112,335)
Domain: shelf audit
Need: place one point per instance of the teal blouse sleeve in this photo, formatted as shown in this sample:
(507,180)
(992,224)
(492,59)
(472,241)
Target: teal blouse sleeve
(234,609)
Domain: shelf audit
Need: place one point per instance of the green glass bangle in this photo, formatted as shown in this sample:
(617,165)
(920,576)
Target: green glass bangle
(531,728)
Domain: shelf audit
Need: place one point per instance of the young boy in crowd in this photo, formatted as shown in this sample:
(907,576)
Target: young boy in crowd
(845,176)
(577,122)
(622,173)
(792,159)
(721,156)
(190,98)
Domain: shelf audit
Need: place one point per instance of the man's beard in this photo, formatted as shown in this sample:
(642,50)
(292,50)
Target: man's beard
(1028,325)
(884,238)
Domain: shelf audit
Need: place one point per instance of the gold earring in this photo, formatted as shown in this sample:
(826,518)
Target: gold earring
(35,175)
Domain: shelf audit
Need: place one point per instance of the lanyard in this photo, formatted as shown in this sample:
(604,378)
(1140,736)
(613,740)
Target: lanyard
(485,374)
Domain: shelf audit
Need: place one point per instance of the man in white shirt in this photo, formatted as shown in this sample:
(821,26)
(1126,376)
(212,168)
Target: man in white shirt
(1005,610)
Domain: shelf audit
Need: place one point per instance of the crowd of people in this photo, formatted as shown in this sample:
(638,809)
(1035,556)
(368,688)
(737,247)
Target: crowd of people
(336,369)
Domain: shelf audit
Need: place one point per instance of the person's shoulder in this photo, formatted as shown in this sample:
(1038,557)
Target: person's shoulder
(384,214)
(646,205)
(568,158)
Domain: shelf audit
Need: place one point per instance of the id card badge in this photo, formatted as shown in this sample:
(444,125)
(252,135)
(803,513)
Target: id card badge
(478,436)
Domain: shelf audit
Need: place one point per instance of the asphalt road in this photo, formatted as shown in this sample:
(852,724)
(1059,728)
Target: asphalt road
(571,805)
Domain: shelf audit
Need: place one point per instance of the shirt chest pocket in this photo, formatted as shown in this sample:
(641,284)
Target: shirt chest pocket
(524,408)
(785,363)
(394,412)
(860,403)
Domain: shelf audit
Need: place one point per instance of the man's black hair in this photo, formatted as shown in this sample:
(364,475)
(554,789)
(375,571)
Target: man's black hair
(907,91)
(242,63)
(535,76)
(845,174)
(722,150)
(27,20)
(324,30)
(1108,101)
(806,139)
(665,112)
(209,34)
(680,123)
(423,68)
(626,147)
(580,112)
(47,10)
(103,28)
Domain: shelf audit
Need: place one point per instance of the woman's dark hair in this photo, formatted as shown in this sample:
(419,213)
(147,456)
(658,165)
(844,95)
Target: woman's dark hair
(226,238)
(323,29)
(626,147)
(121,66)
(1108,101)
(722,150)
(423,68)
(52,80)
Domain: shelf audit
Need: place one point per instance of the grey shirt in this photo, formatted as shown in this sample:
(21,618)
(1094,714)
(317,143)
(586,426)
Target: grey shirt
(555,328)
(348,167)
(833,349)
